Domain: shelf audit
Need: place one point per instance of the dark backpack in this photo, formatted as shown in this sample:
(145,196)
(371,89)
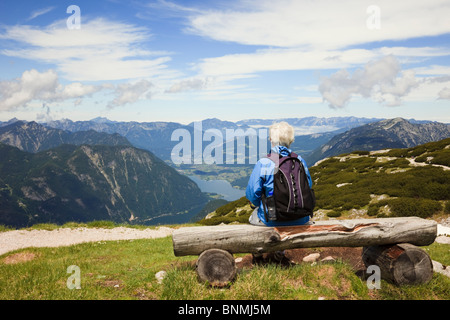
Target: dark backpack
(292,197)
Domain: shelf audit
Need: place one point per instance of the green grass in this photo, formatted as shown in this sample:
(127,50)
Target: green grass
(126,270)
(130,265)
(271,282)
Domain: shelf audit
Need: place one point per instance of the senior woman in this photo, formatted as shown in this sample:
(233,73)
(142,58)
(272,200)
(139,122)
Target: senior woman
(261,182)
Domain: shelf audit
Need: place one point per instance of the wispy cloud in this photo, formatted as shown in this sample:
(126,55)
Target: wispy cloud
(186,85)
(281,59)
(101,50)
(324,24)
(39,12)
(172,7)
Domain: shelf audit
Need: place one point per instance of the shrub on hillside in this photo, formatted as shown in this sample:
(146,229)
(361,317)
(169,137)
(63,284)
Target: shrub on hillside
(443,158)
(407,207)
(361,152)
(227,208)
(333,214)
(397,153)
(225,219)
(447,207)
(372,210)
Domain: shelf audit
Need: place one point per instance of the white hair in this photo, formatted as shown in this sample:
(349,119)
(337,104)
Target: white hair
(281,133)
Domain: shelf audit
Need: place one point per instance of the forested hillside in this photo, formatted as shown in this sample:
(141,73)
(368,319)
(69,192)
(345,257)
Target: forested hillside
(86,183)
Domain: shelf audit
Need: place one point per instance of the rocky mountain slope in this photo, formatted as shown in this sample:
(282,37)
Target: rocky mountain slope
(390,133)
(85,183)
(152,136)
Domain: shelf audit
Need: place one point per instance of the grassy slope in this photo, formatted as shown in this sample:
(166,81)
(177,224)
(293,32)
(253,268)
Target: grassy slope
(126,270)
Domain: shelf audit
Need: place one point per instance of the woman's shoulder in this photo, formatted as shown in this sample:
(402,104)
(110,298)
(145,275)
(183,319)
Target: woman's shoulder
(264,161)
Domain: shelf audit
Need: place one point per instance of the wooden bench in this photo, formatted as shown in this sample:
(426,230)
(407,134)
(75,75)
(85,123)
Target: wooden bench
(389,243)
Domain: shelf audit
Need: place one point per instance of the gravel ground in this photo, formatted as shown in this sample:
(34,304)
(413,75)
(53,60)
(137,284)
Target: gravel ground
(18,239)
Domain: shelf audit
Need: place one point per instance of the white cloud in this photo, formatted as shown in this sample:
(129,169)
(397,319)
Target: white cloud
(75,90)
(309,100)
(186,85)
(320,24)
(282,59)
(381,80)
(433,70)
(428,89)
(130,92)
(297,59)
(444,93)
(44,86)
(32,84)
(101,50)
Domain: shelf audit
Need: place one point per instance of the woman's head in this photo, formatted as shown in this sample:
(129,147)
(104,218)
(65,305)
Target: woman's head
(281,133)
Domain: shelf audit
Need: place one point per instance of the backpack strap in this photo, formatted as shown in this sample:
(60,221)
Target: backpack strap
(275,157)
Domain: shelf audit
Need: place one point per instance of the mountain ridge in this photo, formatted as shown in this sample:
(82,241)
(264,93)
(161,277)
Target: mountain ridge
(388,133)
(34,137)
(85,183)
(156,136)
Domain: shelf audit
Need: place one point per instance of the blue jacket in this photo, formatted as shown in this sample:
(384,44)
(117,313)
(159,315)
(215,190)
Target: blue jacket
(261,180)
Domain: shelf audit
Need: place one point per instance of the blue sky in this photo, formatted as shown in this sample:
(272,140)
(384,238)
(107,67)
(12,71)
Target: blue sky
(190,60)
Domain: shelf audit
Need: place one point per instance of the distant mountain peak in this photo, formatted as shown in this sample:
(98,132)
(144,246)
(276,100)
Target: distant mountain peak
(12,120)
(102,120)
(389,123)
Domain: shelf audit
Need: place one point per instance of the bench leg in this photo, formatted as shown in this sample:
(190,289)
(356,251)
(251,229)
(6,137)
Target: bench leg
(402,264)
(216,267)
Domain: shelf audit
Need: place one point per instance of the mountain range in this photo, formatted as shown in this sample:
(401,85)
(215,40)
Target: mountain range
(156,136)
(308,125)
(34,137)
(349,133)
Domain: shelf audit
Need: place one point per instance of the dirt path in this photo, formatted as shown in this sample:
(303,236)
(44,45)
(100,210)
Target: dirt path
(412,162)
(18,239)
